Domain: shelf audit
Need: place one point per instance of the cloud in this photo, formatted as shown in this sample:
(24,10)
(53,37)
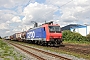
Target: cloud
(7,31)
(10,15)
(8,20)
(16,19)
(13,3)
(16,15)
(38,12)
(73,11)
(81,2)
(3,26)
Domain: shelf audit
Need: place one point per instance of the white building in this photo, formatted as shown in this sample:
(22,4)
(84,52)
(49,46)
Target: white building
(83,30)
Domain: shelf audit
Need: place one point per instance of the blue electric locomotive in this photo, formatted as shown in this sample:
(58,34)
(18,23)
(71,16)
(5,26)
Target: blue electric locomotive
(46,34)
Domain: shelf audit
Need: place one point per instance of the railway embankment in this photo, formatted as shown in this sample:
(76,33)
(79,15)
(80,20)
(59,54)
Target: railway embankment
(8,52)
(63,51)
(75,52)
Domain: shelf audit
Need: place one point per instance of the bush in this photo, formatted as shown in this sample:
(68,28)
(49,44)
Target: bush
(66,35)
(88,37)
(73,36)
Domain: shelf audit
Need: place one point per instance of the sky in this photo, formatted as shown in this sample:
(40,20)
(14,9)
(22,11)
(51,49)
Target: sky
(16,15)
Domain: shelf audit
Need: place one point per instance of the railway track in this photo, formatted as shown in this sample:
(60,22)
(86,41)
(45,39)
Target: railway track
(40,54)
(40,58)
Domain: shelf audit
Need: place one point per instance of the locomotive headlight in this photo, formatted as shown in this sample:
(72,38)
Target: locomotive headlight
(60,37)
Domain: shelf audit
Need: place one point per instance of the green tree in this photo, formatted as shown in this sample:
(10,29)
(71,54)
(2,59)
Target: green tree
(88,37)
(0,37)
(73,36)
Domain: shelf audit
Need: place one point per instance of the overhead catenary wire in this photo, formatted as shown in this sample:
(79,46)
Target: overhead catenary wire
(62,5)
(66,3)
(59,7)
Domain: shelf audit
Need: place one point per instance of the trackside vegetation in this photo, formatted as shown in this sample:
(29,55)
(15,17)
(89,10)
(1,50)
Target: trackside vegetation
(8,52)
(78,39)
(75,37)
(0,37)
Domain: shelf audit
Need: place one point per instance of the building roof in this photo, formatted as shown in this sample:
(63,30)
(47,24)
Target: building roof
(77,26)
(72,26)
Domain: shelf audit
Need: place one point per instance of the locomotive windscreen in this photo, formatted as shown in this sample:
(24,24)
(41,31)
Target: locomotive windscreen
(54,29)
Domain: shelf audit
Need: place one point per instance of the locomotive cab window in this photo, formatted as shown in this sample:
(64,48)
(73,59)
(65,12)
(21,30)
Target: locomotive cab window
(44,28)
(54,29)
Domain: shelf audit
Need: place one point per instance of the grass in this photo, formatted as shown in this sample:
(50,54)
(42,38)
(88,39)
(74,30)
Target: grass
(77,42)
(8,53)
(84,43)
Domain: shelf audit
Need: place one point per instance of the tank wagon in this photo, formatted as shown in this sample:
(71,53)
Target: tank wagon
(46,34)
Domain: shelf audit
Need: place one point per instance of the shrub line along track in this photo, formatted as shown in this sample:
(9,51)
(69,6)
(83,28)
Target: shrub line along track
(38,57)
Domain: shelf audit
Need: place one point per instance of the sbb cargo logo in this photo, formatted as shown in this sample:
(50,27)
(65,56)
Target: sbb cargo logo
(31,35)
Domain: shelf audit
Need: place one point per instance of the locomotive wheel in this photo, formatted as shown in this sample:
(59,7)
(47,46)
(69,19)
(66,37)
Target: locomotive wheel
(51,44)
(38,43)
(42,43)
(29,41)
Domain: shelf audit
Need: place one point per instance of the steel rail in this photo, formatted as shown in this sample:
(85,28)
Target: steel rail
(36,56)
(48,53)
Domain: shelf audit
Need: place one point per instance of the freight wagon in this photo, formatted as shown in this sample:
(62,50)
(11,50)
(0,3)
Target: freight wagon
(16,36)
(23,35)
(7,37)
